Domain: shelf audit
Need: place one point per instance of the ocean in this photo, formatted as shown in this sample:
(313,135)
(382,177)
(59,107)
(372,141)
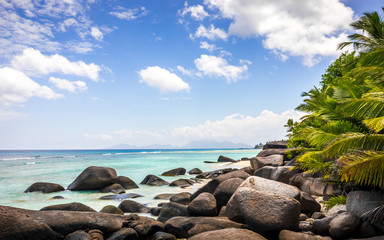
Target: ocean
(19,169)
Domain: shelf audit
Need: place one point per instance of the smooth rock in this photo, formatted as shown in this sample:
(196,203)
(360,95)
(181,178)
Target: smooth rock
(181,198)
(153,180)
(179,226)
(121,196)
(174,172)
(213,223)
(126,182)
(305,226)
(311,185)
(78,235)
(290,235)
(360,202)
(203,205)
(181,182)
(164,196)
(317,215)
(272,151)
(309,204)
(225,190)
(335,210)
(170,210)
(129,206)
(144,226)
(16,223)
(271,160)
(57,197)
(163,236)
(225,159)
(155,211)
(276,144)
(96,234)
(281,174)
(228,234)
(223,212)
(124,233)
(44,187)
(94,178)
(114,188)
(343,225)
(321,226)
(75,206)
(112,209)
(262,211)
(195,171)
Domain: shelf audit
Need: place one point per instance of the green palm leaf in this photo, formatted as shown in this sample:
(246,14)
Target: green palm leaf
(369,106)
(376,124)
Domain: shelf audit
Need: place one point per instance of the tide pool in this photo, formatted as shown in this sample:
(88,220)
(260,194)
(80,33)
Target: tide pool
(19,169)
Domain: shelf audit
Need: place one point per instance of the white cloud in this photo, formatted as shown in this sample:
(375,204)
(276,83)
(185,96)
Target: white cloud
(69,22)
(70,86)
(162,79)
(80,47)
(234,128)
(308,29)
(205,45)
(34,62)
(184,71)
(197,12)
(129,14)
(212,33)
(97,34)
(7,115)
(218,67)
(16,88)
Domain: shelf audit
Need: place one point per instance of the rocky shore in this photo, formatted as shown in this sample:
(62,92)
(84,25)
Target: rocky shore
(264,199)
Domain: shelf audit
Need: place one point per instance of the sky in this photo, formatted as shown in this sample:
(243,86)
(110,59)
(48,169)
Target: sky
(81,74)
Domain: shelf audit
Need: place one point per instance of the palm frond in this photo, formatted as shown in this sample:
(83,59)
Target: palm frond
(363,168)
(313,162)
(369,106)
(376,124)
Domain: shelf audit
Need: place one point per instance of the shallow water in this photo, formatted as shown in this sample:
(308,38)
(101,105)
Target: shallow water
(19,169)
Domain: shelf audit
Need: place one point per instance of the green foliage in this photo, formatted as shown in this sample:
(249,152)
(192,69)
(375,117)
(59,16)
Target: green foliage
(336,200)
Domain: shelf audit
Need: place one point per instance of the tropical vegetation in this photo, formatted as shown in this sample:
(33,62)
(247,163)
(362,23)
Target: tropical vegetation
(342,135)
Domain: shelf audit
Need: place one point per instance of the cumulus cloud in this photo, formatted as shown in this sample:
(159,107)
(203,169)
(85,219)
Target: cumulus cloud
(218,67)
(16,88)
(205,45)
(162,79)
(235,128)
(210,33)
(70,86)
(129,13)
(309,29)
(97,34)
(34,62)
(184,71)
(197,11)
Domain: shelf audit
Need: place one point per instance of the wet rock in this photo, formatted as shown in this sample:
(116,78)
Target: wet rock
(44,187)
(181,198)
(78,235)
(114,188)
(171,210)
(129,206)
(343,225)
(126,182)
(121,196)
(228,234)
(94,178)
(203,205)
(174,172)
(124,233)
(195,171)
(112,209)
(75,206)
(153,180)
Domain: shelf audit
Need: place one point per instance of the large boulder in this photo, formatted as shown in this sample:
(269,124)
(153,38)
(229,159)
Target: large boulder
(114,188)
(203,205)
(182,198)
(126,182)
(225,159)
(174,172)
(228,234)
(153,180)
(75,206)
(129,206)
(44,187)
(180,225)
(271,151)
(276,144)
(213,223)
(309,204)
(181,183)
(195,171)
(308,184)
(94,178)
(271,160)
(360,202)
(263,211)
(225,191)
(145,227)
(16,223)
(112,209)
(343,225)
(124,233)
(321,226)
(170,210)
(212,185)
(291,235)
(280,174)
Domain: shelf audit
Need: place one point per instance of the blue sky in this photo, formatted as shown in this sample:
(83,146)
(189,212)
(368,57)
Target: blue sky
(92,74)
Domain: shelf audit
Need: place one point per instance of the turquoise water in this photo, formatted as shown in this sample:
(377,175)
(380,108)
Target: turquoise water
(19,169)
